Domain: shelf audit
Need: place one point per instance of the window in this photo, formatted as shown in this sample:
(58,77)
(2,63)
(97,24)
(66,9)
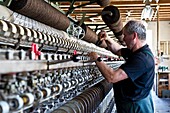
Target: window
(165,47)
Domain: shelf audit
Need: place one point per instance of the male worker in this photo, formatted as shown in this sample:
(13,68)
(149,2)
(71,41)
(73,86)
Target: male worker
(133,80)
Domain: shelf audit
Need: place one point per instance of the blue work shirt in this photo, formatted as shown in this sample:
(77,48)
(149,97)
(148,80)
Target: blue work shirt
(140,68)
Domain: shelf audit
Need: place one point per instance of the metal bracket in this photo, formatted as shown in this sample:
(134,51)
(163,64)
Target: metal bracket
(5,2)
(17,45)
(97,26)
(85,18)
(71,9)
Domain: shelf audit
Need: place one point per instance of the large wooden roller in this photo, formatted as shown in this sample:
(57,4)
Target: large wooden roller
(111,16)
(92,37)
(41,11)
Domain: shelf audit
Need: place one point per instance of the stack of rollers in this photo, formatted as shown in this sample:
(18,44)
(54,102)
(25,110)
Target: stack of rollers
(88,101)
(43,12)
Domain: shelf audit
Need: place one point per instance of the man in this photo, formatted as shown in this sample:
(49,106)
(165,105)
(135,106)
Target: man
(133,80)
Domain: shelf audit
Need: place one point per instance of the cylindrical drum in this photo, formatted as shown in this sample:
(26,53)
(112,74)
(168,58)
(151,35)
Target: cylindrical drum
(92,37)
(111,16)
(41,11)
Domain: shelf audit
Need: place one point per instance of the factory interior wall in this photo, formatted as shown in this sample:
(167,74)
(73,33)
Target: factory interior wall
(164,35)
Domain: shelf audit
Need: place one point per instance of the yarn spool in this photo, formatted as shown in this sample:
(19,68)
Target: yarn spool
(91,36)
(41,11)
(111,16)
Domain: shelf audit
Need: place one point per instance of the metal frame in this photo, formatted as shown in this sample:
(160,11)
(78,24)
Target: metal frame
(72,8)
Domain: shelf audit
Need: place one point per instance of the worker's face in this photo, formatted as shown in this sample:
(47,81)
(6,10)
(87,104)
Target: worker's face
(128,39)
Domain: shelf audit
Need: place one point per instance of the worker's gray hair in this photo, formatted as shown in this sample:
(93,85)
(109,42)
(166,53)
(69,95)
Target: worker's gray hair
(136,26)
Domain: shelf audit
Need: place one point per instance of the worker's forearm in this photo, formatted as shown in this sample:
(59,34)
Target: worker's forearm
(105,70)
(110,74)
(113,46)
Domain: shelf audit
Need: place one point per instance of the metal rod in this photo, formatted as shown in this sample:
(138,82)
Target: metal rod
(74,58)
(58,61)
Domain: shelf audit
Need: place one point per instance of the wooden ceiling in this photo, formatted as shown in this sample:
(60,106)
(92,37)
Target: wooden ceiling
(129,9)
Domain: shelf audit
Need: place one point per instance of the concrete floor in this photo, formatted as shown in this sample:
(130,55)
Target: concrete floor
(162,105)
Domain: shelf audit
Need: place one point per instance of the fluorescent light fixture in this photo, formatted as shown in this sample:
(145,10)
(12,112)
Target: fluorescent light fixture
(157,1)
(147,13)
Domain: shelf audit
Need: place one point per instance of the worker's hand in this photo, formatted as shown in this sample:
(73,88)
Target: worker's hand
(93,56)
(103,36)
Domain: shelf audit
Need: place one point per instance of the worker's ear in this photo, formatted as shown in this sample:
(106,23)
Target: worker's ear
(135,35)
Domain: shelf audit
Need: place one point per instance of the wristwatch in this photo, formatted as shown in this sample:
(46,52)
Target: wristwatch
(99,59)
